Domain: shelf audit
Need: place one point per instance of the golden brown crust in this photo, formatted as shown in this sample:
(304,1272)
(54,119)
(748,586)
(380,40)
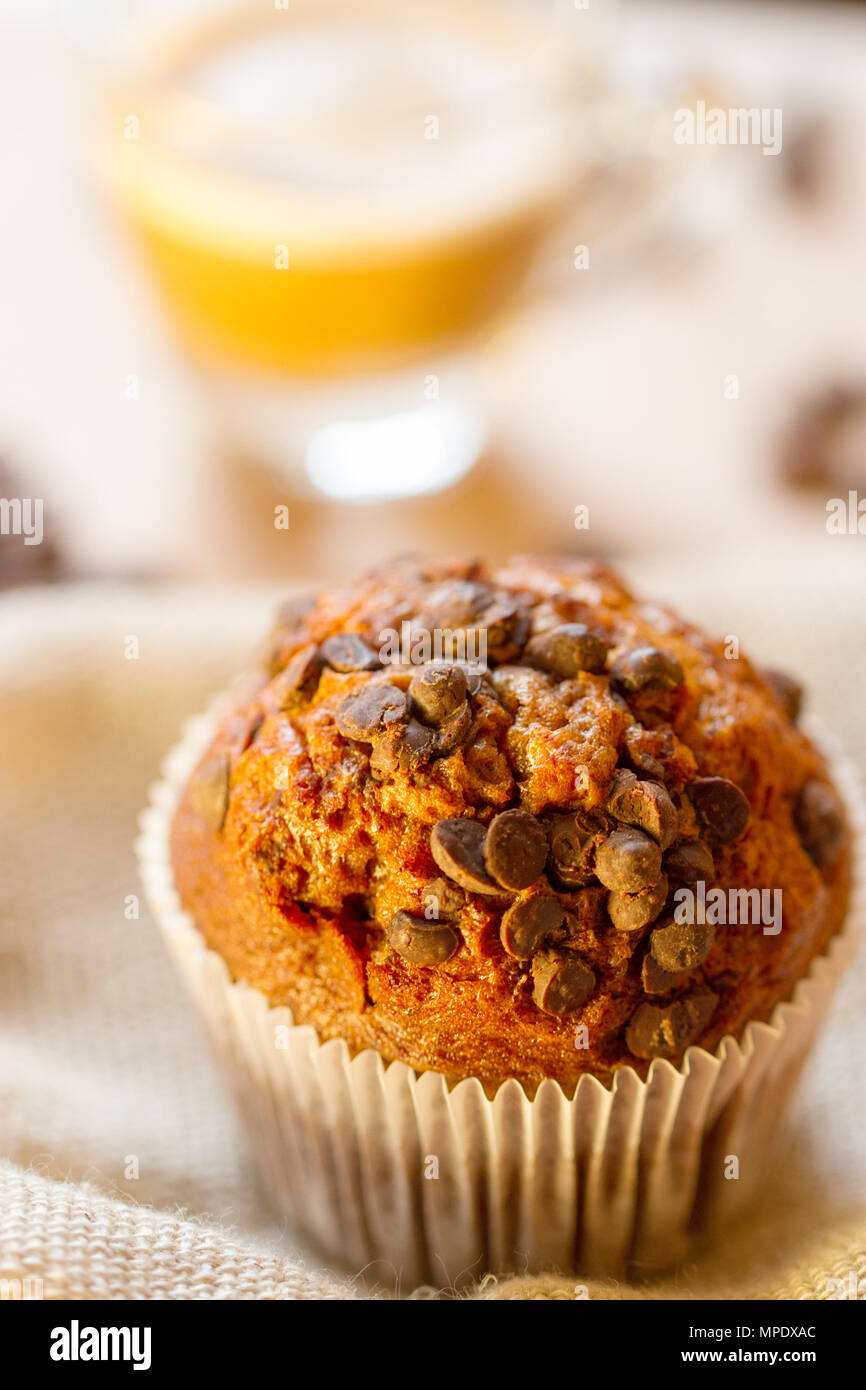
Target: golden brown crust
(320,841)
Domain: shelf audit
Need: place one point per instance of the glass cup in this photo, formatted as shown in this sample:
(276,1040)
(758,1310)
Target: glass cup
(337,202)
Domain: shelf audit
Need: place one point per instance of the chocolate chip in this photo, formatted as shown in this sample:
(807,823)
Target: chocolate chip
(371,711)
(820,823)
(654,753)
(565,650)
(415,745)
(209,790)
(454,604)
(573,841)
(721,807)
(438,690)
(654,979)
(789,691)
(623,784)
(347,651)
(506,628)
(403,747)
(824,442)
(808,161)
(681,946)
(561,983)
(442,899)
(457,845)
(470,617)
(653,1031)
(515,850)
(647,805)
(455,731)
(421,942)
(476,675)
(22,561)
(646,668)
(527,923)
(628,861)
(633,911)
(298,680)
(690,862)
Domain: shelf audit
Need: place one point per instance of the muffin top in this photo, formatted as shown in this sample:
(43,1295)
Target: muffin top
(512,822)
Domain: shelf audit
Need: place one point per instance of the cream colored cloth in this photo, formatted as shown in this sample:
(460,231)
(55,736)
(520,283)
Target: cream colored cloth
(127,1173)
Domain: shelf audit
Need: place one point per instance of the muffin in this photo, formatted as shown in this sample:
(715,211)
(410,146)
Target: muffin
(519,829)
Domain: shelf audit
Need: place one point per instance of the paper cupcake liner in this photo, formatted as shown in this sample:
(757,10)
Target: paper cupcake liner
(391,1171)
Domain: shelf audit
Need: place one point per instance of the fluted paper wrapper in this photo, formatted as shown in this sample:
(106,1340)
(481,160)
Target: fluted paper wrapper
(391,1171)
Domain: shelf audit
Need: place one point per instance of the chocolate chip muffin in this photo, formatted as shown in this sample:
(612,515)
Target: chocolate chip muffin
(512,822)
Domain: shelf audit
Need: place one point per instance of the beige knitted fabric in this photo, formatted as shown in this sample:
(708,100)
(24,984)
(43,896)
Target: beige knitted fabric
(127,1173)
(68,1240)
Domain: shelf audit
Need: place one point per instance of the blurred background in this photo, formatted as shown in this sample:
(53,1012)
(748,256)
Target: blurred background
(288,285)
